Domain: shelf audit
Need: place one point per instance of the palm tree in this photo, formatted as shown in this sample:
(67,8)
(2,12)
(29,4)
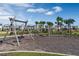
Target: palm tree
(36,25)
(59,22)
(69,22)
(50,24)
(41,25)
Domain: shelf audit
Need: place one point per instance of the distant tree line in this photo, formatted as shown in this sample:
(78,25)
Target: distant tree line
(60,22)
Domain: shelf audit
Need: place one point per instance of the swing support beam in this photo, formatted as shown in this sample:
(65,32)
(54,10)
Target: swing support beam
(18,20)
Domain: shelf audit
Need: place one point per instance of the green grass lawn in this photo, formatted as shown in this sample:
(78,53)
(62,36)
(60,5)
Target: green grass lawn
(29,54)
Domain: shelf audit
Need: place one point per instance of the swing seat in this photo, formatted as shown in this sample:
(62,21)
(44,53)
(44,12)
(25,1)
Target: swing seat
(20,37)
(1,41)
(16,41)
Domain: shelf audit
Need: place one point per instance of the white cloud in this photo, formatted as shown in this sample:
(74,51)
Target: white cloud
(5,17)
(9,9)
(49,13)
(3,11)
(24,5)
(6,10)
(38,10)
(41,10)
(20,16)
(31,10)
(57,8)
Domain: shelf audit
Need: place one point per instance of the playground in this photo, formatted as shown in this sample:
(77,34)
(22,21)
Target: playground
(57,44)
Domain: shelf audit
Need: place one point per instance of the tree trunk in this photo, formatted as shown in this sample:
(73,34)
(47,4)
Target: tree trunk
(49,31)
(69,29)
(36,26)
(59,28)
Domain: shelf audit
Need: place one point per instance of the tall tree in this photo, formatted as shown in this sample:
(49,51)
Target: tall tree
(37,25)
(41,25)
(50,24)
(69,22)
(59,22)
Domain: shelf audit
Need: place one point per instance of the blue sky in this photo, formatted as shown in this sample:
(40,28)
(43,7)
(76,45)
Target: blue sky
(37,12)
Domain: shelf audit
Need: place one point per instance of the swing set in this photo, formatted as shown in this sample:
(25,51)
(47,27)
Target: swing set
(12,29)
